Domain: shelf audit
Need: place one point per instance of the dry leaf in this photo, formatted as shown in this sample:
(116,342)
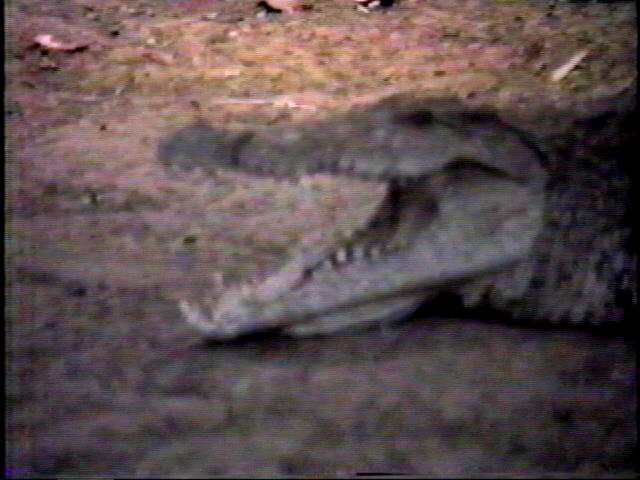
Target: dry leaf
(47,41)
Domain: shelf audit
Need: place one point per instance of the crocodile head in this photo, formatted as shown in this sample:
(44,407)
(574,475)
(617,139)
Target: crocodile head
(465,205)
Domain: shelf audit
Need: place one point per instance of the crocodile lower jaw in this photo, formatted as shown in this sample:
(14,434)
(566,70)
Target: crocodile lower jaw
(386,289)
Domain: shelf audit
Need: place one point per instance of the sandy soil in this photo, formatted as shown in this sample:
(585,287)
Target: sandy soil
(104,378)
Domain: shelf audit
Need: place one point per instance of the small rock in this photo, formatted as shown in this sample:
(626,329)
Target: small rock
(76,289)
(279,6)
(370,5)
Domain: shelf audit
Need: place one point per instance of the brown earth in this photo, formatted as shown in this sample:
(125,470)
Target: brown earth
(104,378)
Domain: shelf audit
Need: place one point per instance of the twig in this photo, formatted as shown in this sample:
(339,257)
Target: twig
(562,71)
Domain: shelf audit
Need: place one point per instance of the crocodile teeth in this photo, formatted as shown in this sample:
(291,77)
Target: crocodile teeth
(218,280)
(341,255)
(392,247)
(358,252)
(195,317)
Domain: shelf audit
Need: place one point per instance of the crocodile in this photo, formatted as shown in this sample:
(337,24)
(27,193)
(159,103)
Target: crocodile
(532,224)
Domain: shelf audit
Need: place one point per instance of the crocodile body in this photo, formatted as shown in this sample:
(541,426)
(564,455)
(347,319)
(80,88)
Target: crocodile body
(474,207)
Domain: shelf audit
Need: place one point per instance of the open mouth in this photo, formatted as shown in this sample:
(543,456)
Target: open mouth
(428,235)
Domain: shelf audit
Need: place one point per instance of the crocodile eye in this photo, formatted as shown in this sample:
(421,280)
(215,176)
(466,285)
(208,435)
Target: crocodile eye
(478,116)
(416,118)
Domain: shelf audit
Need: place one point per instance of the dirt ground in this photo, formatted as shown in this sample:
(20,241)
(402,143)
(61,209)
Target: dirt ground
(103,376)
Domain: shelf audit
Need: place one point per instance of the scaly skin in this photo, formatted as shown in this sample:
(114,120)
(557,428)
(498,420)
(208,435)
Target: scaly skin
(472,207)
